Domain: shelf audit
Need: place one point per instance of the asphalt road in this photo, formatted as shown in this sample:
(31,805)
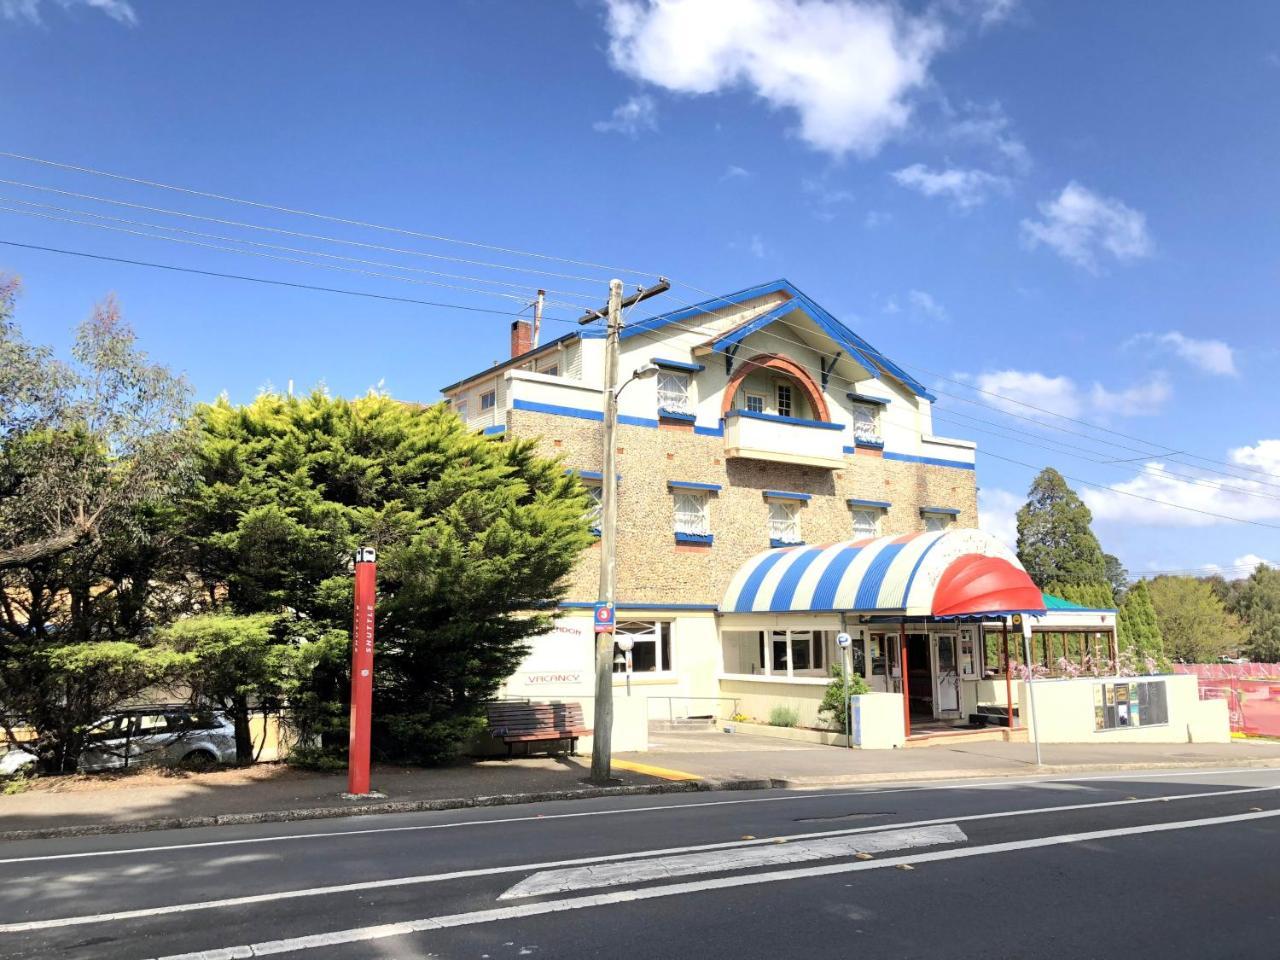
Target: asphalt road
(1160,865)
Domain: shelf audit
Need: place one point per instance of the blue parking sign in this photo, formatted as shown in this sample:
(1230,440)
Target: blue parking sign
(604,618)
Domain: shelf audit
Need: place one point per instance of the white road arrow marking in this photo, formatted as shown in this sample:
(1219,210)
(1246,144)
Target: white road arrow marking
(719,861)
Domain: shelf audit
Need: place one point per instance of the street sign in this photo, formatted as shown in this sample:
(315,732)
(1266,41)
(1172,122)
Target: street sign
(843,639)
(604,618)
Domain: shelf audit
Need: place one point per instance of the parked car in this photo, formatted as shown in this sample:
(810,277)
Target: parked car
(179,736)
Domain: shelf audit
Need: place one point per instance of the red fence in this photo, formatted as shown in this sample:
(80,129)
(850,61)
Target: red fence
(1252,692)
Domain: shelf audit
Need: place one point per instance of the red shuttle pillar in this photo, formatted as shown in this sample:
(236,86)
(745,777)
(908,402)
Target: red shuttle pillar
(362,671)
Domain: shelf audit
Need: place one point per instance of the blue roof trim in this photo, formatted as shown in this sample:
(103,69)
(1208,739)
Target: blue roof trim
(511,361)
(747,595)
(777,544)
(869,589)
(786,495)
(881,504)
(824,321)
(590,604)
(664,414)
(950,511)
(700,538)
(692,485)
(677,365)
(859,398)
(495,431)
(929,461)
(775,418)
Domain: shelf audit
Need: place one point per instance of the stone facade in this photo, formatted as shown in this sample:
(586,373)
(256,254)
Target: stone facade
(654,569)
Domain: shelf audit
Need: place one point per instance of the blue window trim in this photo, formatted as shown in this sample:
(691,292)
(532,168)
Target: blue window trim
(588,475)
(664,414)
(692,485)
(786,495)
(869,444)
(949,511)
(578,413)
(595,532)
(709,431)
(928,461)
(859,398)
(700,538)
(677,365)
(786,543)
(876,504)
(774,418)
(495,431)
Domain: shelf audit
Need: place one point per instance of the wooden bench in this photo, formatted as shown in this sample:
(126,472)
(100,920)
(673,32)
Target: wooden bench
(530,723)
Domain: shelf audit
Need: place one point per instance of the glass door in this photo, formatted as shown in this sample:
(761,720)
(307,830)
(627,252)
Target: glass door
(946,676)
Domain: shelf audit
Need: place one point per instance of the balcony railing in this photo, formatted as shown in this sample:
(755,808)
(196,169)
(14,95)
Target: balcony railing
(762,436)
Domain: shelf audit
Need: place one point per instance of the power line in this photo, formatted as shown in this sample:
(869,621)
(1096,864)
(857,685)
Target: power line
(268,246)
(302,235)
(264,280)
(320,216)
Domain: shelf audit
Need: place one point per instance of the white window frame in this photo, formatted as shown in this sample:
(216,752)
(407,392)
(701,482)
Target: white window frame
(673,391)
(784,521)
(648,632)
(460,408)
(789,401)
(692,512)
(814,640)
(874,514)
(937,522)
(759,399)
(488,400)
(595,489)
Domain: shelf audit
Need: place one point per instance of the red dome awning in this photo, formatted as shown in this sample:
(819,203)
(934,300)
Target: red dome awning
(978,585)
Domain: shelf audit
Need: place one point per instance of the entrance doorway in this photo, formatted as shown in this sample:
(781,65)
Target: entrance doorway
(919,675)
(946,676)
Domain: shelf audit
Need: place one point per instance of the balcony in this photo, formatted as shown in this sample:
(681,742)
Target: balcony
(762,436)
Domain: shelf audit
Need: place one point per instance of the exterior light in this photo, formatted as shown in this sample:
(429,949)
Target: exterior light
(644,372)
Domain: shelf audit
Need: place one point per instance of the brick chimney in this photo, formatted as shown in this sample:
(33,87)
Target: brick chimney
(521,337)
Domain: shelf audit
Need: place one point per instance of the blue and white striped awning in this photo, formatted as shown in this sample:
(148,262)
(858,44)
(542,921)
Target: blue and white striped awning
(878,575)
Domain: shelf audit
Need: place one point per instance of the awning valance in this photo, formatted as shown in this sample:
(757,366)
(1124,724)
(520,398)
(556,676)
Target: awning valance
(956,572)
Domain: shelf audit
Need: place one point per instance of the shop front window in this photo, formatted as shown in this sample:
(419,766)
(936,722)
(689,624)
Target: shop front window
(651,646)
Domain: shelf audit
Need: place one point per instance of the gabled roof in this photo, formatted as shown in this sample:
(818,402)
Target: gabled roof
(863,351)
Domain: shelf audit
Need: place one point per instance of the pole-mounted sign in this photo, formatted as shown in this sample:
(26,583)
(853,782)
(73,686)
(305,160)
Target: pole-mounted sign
(604,618)
(362,671)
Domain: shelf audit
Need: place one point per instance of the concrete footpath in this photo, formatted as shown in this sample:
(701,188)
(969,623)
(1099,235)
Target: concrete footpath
(714,755)
(677,761)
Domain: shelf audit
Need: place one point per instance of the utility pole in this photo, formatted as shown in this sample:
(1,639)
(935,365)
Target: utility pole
(537,316)
(602,730)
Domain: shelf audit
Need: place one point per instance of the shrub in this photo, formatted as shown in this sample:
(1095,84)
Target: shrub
(781,716)
(320,759)
(833,706)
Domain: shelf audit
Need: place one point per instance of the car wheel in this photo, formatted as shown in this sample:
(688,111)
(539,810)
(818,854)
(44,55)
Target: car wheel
(198,760)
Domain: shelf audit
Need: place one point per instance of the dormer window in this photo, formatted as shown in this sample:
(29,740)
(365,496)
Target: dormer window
(673,392)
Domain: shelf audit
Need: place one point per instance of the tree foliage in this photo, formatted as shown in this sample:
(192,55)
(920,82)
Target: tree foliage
(1256,601)
(1194,624)
(474,537)
(88,452)
(1055,542)
(1138,626)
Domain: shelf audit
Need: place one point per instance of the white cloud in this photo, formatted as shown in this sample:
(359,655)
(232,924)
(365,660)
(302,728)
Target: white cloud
(1139,400)
(1211,356)
(992,12)
(964,188)
(925,303)
(987,125)
(637,114)
(735,172)
(1181,486)
(824,199)
(1244,566)
(847,68)
(1015,391)
(119,10)
(1081,225)
(998,514)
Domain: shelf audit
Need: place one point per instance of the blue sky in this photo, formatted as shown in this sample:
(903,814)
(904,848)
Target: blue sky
(1070,205)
